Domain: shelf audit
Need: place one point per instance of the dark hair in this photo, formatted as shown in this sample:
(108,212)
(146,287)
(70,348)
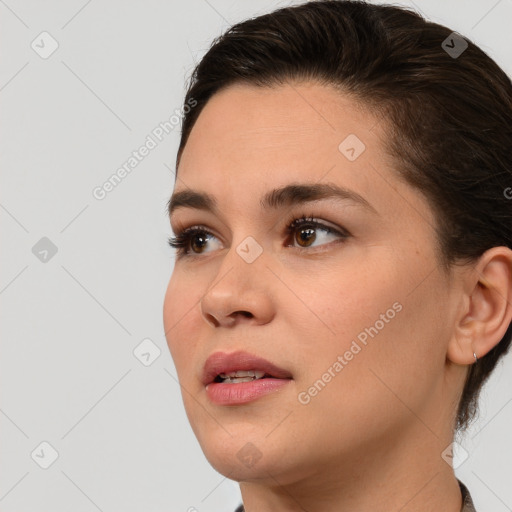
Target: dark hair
(448,116)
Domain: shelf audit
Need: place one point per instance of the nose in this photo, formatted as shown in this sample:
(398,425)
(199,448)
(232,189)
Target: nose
(239,293)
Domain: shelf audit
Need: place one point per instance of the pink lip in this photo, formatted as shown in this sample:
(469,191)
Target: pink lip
(235,394)
(220,362)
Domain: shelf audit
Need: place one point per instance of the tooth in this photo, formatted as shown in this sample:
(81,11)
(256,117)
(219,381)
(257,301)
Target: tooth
(243,373)
(239,379)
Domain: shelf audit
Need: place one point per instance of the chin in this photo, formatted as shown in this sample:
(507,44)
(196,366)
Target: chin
(239,453)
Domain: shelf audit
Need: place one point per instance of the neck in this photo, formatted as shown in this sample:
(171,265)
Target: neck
(406,474)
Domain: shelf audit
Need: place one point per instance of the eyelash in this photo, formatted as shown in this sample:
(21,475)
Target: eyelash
(182,239)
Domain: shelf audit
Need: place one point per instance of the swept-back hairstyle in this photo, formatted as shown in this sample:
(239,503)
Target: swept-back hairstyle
(447,109)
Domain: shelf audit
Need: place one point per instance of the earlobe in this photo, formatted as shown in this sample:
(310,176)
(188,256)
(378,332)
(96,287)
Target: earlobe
(487,311)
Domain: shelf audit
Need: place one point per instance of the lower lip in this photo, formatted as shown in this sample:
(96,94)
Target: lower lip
(244,392)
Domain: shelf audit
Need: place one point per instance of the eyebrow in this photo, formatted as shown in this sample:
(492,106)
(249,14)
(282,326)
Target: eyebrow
(295,193)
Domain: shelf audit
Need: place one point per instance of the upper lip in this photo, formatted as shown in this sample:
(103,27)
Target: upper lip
(221,362)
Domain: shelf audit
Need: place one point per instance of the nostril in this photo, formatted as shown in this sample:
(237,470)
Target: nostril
(228,320)
(212,320)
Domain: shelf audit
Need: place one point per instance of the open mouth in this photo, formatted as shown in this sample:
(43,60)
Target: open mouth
(238,378)
(241,376)
(239,367)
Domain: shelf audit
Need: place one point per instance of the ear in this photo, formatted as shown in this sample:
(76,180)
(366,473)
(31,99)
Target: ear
(487,311)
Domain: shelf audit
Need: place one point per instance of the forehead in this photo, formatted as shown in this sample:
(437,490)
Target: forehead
(248,141)
(288,131)
(246,121)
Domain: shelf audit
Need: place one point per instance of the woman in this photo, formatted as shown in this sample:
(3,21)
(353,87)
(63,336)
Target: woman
(343,281)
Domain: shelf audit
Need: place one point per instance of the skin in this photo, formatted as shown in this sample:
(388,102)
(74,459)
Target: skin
(372,438)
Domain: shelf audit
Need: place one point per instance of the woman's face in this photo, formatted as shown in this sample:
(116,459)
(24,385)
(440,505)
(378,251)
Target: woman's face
(357,318)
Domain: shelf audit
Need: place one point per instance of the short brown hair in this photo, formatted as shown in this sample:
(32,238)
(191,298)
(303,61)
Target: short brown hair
(449,116)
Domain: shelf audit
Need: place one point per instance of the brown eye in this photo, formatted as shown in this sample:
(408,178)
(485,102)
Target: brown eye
(304,232)
(195,240)
(305,236)
(198,242)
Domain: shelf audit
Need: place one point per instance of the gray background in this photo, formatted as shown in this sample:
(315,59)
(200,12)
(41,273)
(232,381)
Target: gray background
(71,321)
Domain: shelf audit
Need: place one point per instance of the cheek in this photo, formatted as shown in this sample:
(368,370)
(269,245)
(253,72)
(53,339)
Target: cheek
(376,314)
(181,331)
(344,298)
